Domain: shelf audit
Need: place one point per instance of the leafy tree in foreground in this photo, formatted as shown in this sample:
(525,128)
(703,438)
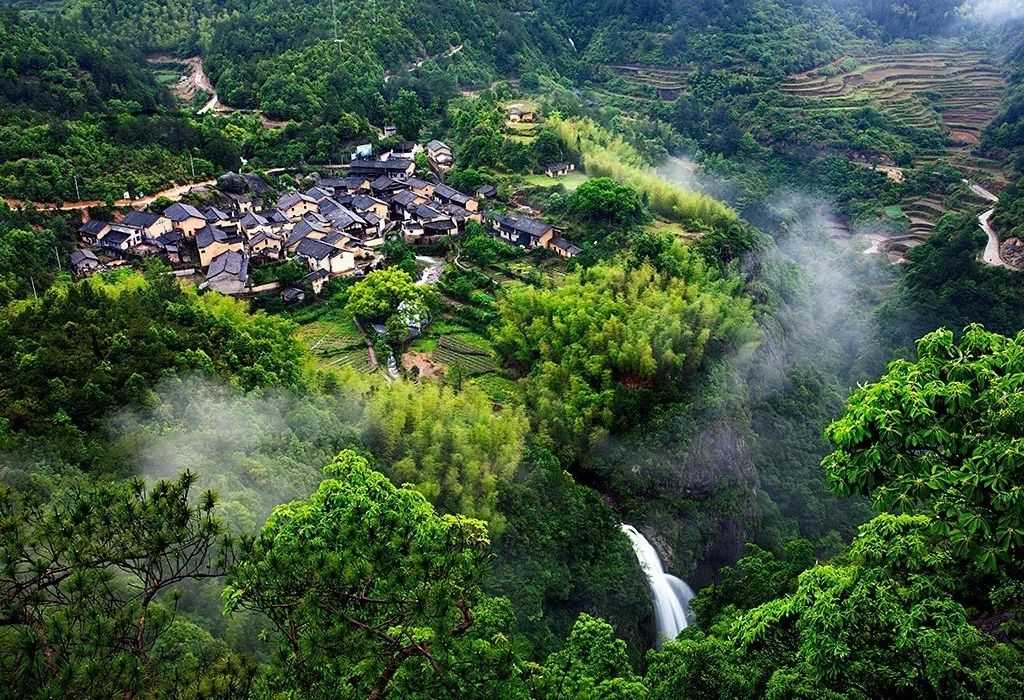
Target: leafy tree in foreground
(360,580)
(944,436)
(592,664)
(83,584)
(879,622)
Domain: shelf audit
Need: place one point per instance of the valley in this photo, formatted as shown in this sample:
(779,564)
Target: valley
(540,350)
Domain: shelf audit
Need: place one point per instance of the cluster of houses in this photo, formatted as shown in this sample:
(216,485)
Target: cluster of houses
(336,227)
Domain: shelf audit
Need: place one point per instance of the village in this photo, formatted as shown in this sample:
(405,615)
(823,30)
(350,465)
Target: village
(334,224)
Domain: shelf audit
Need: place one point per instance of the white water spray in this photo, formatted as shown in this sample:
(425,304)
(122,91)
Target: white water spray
(671,595)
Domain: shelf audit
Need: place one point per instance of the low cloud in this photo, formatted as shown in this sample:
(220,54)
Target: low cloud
(994,10)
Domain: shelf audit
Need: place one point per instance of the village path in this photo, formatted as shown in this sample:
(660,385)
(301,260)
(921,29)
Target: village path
(991,255)
(173,193)
(203,83)
(446,54)
(369,345)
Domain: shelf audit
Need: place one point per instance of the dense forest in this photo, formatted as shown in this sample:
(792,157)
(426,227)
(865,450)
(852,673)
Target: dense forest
(203,497)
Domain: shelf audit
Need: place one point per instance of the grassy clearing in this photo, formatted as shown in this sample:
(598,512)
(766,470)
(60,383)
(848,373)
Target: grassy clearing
(604,154)
(569,181)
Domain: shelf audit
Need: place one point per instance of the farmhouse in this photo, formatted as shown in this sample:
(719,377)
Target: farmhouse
(563,248)
(320,255)
(443,194)
(522,231)
(149,225)
(439,153)
(516,114)
(121,238)
(228,273)
(295,205)
(185,218)
(487,192)
(559,169)
(317,279)
(373,169)
(213,241)
(84,262)
(93,231)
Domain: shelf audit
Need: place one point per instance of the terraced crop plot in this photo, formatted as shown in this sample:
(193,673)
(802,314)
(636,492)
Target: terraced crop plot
(336,347)
(669,82)
(956,92)
(451,350)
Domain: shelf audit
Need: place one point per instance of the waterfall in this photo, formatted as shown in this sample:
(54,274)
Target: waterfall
(671,595)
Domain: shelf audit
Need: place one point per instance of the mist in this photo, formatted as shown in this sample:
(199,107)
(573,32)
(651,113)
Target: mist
(991,11)
(254,450)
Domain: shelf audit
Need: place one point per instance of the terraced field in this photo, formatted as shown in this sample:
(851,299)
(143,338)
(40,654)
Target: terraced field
(953,93)
(335,345)
(956,92)
(473,359)
(669,82)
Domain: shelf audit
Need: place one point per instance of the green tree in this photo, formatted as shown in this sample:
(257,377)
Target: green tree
(944,436)
(87,581)
(360,580)
(593,665)
(879,622)
(379,295)
(603,202)
(407,114)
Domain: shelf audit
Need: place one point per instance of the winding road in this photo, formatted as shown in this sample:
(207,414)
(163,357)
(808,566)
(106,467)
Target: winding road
(991,254)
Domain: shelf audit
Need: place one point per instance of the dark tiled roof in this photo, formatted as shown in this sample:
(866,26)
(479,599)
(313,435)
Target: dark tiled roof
(230,262)
(252,220)
(525,225)
(291,199)
(209,234)
(565,245)
(180,212)
(80,256)
(93,227)
(451,194)
(376,167)
(139,219)
(405,198)
(363,202)
(317,274)
(114,239)
(312,248)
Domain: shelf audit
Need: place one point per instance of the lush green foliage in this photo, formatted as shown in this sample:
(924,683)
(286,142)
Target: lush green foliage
(361,581)
(942,435)
(452,447)
(878,622)
(610,329)
(84,349)
(84,578)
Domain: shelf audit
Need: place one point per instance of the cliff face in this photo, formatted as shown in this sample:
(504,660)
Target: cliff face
(1012,252)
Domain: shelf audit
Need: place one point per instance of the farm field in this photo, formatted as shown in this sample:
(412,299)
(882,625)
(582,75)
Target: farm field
(336,344)
(956,93)
(953,93)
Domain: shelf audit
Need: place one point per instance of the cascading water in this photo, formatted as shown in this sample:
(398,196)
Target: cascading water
(671,595)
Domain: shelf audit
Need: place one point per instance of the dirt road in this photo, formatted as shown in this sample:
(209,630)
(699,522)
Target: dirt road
(173,193)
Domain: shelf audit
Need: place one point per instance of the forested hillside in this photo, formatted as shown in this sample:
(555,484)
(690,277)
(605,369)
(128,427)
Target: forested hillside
(530,349)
